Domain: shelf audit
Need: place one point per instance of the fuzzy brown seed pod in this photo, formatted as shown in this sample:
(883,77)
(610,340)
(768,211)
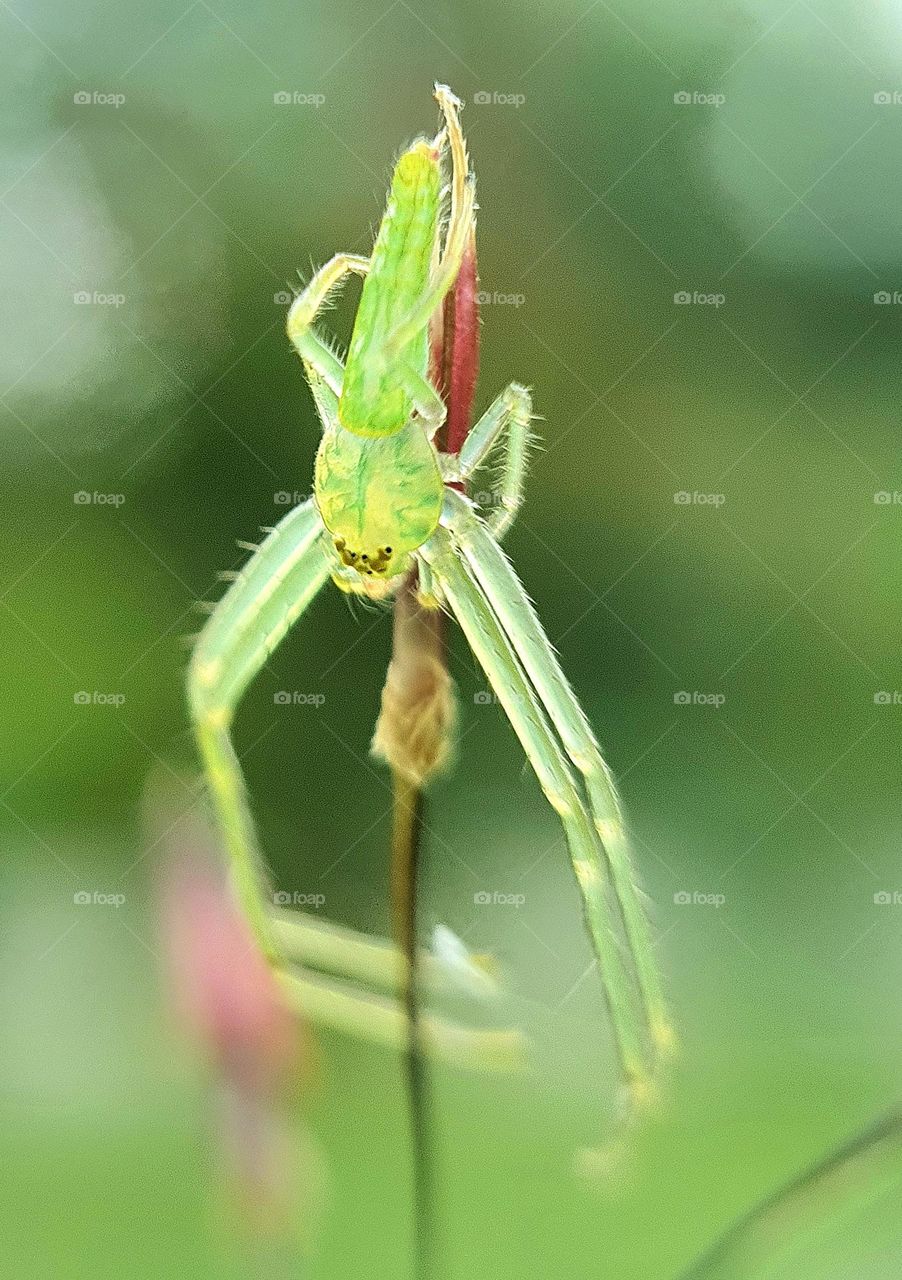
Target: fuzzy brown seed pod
(415,731)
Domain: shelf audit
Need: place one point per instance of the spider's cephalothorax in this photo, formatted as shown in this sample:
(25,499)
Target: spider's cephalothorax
(379,498)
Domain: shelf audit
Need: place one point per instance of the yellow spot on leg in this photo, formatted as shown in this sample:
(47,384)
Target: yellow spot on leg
(207,673)
(587,874)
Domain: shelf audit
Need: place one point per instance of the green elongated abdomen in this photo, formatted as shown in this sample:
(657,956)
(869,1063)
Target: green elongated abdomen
(373,401)
(379,498)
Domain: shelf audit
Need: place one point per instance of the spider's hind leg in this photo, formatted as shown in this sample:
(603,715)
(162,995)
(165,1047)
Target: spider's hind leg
(494,652)
(514,611)
(266,598)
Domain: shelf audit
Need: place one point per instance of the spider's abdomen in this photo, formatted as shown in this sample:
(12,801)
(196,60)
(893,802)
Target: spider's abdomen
(379,498)
(373,402)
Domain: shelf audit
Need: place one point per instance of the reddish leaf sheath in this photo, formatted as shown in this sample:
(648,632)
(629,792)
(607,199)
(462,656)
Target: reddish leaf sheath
(455,352)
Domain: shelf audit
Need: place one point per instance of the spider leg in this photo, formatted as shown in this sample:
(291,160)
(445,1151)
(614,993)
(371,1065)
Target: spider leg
(491,569)
(268,596)
(528,719)
(310,346)
(426,400)
(508,415)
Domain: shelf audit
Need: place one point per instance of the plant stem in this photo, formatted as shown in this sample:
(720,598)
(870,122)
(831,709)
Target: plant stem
(407,829)
(418,649)
(823,1195)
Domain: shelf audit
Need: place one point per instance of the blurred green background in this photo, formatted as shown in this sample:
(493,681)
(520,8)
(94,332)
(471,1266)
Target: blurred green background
(690,236)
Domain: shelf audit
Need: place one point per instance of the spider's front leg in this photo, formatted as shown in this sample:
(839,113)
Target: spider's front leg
(269,595)
(495,655)
(313,349)
(506,420)
(496,579)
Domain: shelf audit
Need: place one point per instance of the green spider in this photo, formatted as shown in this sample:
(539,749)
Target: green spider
(387,502)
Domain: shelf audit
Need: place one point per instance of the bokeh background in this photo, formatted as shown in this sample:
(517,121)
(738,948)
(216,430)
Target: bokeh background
(690,240)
